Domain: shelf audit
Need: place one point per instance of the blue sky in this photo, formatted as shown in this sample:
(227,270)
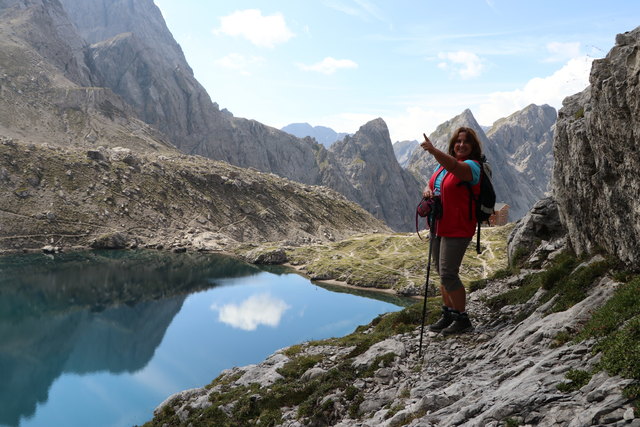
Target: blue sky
(414,63)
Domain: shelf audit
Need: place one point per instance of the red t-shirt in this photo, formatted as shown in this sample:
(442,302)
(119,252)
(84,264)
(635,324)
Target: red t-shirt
(455,221)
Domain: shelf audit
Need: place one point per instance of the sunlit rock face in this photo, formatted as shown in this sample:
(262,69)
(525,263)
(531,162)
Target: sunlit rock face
(527,138)
(383,187)
(596,150)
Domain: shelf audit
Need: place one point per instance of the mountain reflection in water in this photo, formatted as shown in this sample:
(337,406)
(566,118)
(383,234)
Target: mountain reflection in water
(89,312)
(101,338)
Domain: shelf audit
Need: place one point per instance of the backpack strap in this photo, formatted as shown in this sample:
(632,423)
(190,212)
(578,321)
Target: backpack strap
(477,200)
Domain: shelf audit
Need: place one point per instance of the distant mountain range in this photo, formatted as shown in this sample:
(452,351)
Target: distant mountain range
(109,72)
(403,150)
(324,135)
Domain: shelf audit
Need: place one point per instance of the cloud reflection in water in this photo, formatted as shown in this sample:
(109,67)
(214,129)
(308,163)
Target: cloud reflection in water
(261,309)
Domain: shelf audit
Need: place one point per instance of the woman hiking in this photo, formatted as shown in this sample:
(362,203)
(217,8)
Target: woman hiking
(456,226)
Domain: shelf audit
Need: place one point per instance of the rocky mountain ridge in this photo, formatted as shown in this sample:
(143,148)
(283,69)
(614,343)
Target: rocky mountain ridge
(382,186)
(527,139)
(160,86)
(403,150)
(118,92)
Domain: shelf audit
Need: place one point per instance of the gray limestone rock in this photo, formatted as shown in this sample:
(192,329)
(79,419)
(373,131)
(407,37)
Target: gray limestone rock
(379,349)
(595,178)
(541,223)
(265,373)
(110,241)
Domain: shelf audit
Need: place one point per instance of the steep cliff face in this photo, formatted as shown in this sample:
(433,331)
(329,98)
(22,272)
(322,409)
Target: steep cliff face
(508,182)
(527,138)
(41,99)
(137,57)
(596,150)
(383,187)
(55,39)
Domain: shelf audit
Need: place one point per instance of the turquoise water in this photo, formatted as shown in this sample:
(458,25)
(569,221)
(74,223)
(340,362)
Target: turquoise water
(101,338)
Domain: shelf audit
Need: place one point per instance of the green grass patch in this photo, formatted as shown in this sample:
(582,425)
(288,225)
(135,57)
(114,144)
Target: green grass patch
(574,288)
(518,295)
(393,261)
(622,306)
(298,366)
(560,279)
(616,327)
(621,351)
(577,379)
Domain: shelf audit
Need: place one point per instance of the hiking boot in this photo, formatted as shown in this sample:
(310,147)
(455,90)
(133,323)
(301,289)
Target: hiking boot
(460,325)
(444,321)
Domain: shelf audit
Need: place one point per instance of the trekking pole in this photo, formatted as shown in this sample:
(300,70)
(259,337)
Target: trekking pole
(426,283)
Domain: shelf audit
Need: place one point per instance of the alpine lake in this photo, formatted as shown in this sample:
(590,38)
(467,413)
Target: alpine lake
(101,338)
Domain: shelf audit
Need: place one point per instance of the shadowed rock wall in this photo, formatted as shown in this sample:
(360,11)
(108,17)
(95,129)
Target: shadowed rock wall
(597,156)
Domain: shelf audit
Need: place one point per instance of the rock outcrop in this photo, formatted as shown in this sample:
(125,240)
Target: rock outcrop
(596,148)
(540,226)
(383,187)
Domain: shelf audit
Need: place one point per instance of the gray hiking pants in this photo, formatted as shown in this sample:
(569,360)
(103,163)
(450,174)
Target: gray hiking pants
(447,255)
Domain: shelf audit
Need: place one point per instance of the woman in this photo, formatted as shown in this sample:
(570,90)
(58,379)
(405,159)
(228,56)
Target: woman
(456,226)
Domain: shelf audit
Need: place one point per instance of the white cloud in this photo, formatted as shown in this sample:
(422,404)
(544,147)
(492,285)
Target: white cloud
(572,78)
(562,51)
(256,310)
(239,62)
(425,115)
(466,64)
(264,31)
(329,65)
(414,121)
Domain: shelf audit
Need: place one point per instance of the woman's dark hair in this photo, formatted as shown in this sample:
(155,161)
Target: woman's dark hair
(476,147)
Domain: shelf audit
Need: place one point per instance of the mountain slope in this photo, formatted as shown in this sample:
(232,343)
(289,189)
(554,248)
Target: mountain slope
(42,104)
(383,187)
(527,138)
(160,86)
